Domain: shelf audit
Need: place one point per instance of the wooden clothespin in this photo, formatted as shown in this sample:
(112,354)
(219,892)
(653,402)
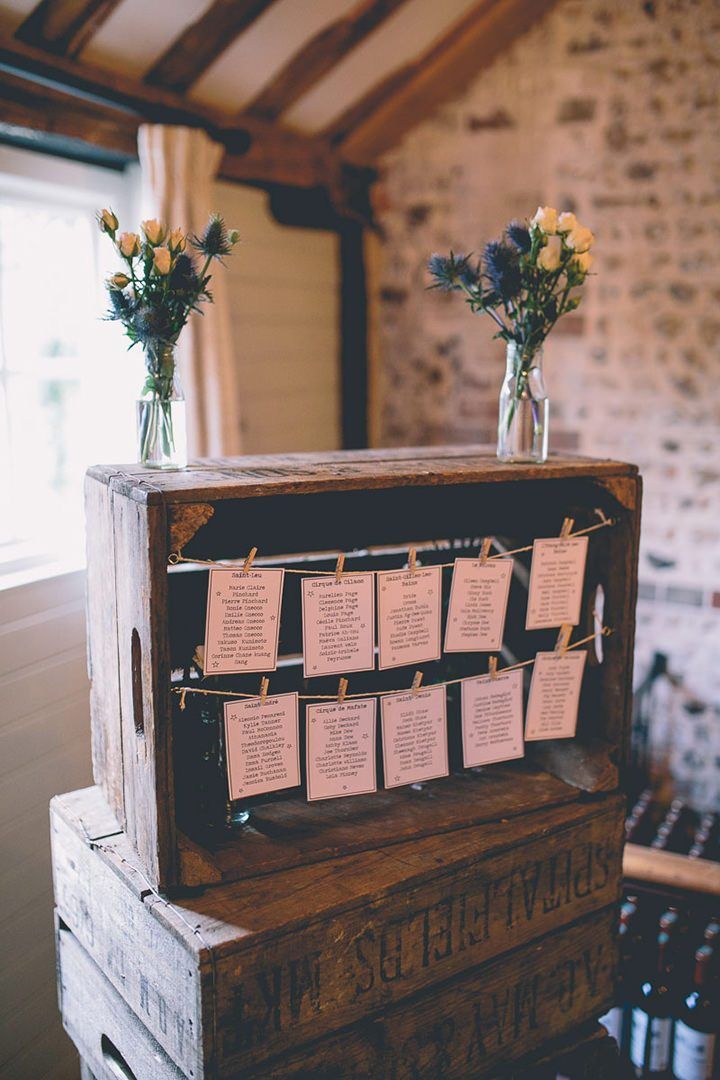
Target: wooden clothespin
(249,561)
(264,684)
(339,568)
(183,693)
(492,667)
(412,560)
(342,690)
(485,549)
(417,679)
(563,638)
(567,528)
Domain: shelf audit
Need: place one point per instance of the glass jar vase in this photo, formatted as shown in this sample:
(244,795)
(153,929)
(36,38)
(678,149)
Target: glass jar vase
(524,407)
(161,429)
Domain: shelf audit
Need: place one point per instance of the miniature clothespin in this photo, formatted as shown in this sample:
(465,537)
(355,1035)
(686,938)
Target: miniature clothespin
(249,561)
(183,693)
(492,667)
(485,549)
(567,528)
(417,679)
(339,568)
(264,684)
(563,638)
(342,690)
(412,560)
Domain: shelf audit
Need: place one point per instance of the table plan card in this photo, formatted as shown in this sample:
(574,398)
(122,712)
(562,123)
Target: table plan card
(557,575)
(409,604)
(341,749)
(338,624)
(492,719)
(552,709)
(478,603)
(414,736)
(262,745)
(243,621)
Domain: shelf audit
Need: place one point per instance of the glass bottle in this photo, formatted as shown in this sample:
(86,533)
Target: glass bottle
(524,407)
(695,1056)
(652,1017)
(161,431)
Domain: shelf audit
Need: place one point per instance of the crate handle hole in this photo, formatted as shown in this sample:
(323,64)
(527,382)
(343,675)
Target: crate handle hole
(114,1060)
(137,684)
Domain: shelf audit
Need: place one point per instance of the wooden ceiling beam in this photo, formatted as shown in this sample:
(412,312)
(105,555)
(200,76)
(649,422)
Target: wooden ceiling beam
(378,121)
(318,56)
(271,153)
(64,26)
(201,43)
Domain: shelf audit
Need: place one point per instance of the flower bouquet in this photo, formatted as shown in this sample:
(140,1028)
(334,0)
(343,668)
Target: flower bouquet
(153,297)
(525,282)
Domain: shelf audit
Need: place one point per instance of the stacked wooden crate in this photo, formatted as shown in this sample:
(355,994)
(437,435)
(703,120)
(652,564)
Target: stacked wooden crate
(457,930)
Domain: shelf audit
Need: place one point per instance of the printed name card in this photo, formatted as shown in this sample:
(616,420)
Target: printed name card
(556,582)
(552,709)
(341,749)
(338,624)
(492,719)
(409,616)
(262,745)
(478,602)
(243,621)
(414,735)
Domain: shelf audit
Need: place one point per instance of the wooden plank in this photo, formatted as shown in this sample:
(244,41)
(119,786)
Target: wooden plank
(529,1004)
(666,868)
(382,117)
(203,41)
(250,973)
(64,26)
(318,56)
(247,477)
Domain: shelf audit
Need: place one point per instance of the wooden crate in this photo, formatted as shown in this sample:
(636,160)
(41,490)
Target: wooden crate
(146,619)
(437,956)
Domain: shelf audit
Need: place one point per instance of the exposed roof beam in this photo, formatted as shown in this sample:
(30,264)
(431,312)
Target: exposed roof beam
(201,43)
(318,56)
(382,117)
(64,26)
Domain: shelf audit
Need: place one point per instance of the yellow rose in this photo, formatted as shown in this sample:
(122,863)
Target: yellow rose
(162,260)
(549,256)
(129,244)
(108,222)
(580,239)
(119,280)
(176,240)
(153,230)
(567,222)
(546,218)
(583,261)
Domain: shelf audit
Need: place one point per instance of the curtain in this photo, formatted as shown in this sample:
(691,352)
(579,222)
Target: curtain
(178,167)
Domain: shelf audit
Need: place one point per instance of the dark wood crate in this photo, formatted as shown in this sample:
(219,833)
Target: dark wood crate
(145,620)
(468,951)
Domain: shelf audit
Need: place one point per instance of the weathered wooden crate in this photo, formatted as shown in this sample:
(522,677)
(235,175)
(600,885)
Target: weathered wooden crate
(158,765)
(427,958)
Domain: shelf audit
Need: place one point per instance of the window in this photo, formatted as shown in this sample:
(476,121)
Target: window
(67,384)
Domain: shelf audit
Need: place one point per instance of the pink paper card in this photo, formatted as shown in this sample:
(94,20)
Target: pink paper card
(492,719)
(409,616)
(557,575)
(552,709)
(414,734)
(341,749)
(243,621)
(478,602)
(338,624)
(262,745)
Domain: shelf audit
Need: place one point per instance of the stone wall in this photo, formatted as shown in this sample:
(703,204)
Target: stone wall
(610,108)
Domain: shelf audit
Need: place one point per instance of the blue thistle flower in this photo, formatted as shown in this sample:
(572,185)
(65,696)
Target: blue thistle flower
(519,235)
(502,268)
(214,242)
(452,272)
